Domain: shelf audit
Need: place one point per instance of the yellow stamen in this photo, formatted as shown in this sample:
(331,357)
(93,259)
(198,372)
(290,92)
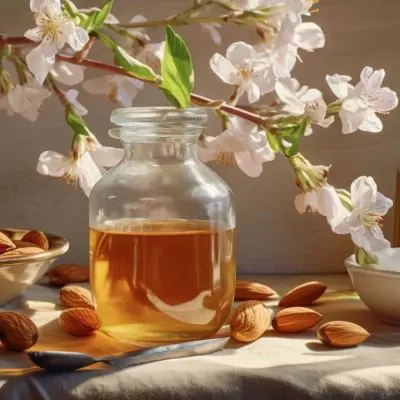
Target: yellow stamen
(246,74)
(370,220)
(51,28)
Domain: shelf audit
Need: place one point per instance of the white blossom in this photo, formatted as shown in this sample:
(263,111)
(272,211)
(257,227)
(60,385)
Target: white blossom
(303,100)
(323,200)
(86,171)
(142,49)
(139,33)
(243,141)
(213,30)
(296,98)
(241,68)
(360,103)
(363,223)
(150,54)
(120,89)
(36,5)
(72,96)
(53,31)
(281,52)
(250,5)
(25,99)
(68,74)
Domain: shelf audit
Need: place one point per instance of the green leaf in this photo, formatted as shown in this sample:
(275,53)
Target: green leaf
(107,40)
(71,8)
(273,142)
(177,70)
(293,136)
(365,258)
(76,123)
(171,98)
(96,18)
(134,67)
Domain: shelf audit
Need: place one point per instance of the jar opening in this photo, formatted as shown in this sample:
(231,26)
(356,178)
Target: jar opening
(157,121)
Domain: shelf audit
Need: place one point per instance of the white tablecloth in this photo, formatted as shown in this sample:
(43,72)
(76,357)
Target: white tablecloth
(275,367)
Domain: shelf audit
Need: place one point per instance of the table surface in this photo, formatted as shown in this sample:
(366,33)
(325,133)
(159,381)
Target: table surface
(276,366)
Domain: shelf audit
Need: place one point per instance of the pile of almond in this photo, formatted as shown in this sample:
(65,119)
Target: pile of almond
(32,242)
(80,317)
(249,322)
(252,317)
(18,332)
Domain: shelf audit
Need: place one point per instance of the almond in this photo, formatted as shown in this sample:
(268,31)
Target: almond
(7,232)
(79,321)
(21,251)
(6,243)
(248,290)
(17,331)
(303,295)
(20,243)
(342,334)
(68,273)
(38,238)
(295,319)
(249,321)
(76,296)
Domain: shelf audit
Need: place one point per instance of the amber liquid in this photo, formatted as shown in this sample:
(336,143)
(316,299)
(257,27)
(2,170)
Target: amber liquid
(162,282)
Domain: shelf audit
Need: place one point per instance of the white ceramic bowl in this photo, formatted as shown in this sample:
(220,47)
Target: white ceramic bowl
(379,287)
(17,274)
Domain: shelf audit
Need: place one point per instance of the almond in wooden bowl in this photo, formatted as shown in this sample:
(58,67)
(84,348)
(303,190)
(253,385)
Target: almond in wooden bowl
(250,320)
(342,334)
(303,295)
(295,320)
(76,296)
(248,290)
(79,321)
(68,273)
(17,331)
(22,268)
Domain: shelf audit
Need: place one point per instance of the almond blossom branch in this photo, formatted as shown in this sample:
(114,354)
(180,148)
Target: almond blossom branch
(242,18)
(195,98)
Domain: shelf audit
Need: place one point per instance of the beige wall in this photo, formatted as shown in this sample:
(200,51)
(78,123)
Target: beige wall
(272,237)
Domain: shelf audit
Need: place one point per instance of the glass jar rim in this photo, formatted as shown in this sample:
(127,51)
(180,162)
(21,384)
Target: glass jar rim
(157,121)
(132,116)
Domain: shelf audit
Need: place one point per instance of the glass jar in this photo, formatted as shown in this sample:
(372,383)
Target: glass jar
(162,232)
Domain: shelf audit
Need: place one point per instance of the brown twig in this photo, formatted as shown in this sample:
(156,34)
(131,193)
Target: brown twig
(60,93)
(86,49)
(14,40)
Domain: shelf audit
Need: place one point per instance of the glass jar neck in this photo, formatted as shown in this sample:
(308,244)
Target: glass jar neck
(160,145)
(162,134)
